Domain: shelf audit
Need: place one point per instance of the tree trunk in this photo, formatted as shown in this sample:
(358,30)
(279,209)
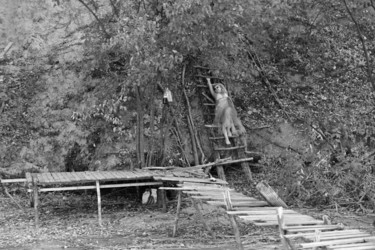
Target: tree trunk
(140,129)
(190,120)
(152,123)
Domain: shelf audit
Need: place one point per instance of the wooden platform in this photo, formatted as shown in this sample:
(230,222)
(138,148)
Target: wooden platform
(68,181)
(87,176)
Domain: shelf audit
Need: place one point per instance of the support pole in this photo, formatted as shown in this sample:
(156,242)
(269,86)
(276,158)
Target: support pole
(36,203)
(220,172)
(236,231)
(232,219)
(177,213)
(280,219)
(99,203)
(200,216)
(161,199)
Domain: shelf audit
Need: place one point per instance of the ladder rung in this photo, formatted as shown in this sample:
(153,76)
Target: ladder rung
(201,86)
(231,148)
(208,104)
(212,126)
(234,161)
(221,137)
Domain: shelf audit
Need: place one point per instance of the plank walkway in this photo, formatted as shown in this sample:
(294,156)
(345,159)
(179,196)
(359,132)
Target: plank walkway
(297,231)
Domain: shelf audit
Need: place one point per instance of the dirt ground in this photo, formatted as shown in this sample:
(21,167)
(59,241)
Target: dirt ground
(69,221)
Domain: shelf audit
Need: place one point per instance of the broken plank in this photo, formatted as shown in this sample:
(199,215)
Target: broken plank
(240,204)
(212,198)
(336,242)
(253,212)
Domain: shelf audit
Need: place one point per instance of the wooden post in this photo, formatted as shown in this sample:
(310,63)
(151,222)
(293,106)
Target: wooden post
(232,219)
(201,218)
(317,238)
(161,199)
(177,213)
(246,170)
(36,203)
(280,219)
(220,172)
(245,165)
(99,203)
(236,231)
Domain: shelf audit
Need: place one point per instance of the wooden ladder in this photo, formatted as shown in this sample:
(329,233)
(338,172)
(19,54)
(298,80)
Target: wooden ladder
(236,152)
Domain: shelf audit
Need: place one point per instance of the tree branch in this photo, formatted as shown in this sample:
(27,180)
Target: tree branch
(364,47)
(106,34)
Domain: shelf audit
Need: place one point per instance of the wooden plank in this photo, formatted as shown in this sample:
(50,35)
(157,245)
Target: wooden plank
(240,204)
(40,177)
(206,186)
(369,247)
(343,236)
(215,192)
(50,178)
(57,177)
(118,174)
(355,246)
(112,175)
(254,212)
(336,242)
(288,222)
(228,149)
(66,188)
(90,175)
(75,177)
(295,229)
(139,184)
(244,209)
(182,179)
(272,217)
(14,180)
(221,196)
(67,177)
(144,175)
(103,176)
(217,198)
(264,224)
(325,233)
(98,175)
(81,176)
(61,177)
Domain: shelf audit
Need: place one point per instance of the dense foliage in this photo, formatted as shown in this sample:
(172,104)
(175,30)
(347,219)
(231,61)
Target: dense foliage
(305,62)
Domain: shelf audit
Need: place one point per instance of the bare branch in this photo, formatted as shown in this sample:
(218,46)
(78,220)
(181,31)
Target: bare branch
(106,34)
(364,47)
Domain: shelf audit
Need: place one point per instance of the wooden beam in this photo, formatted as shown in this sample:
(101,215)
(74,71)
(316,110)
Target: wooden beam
(335,242)
(12,180)
(36,203)
(156,183)
(177,214)
(99,203)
